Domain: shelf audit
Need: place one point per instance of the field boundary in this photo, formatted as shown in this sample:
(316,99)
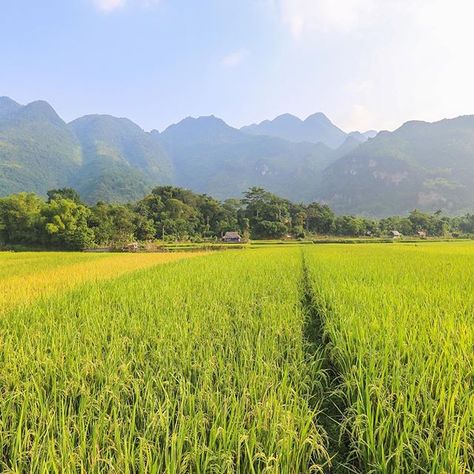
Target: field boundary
(333,406)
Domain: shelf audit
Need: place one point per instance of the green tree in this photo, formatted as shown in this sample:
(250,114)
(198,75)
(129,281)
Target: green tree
(319,218)
(20,218)
(64,193)
(349,226)
(401,224)
(268,214)
(466,224)
(113,224)
(65,225)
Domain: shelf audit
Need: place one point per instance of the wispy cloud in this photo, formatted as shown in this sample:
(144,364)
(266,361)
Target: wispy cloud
(109,5)
(113,5)
(305,16)
(234,59)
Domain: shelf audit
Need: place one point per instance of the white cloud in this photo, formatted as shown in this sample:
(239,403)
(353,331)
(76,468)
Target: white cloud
(234,59)
(306,16)
(112,5)
(109,5)
(379,63)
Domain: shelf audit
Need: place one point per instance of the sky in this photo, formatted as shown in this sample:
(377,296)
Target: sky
(366,64)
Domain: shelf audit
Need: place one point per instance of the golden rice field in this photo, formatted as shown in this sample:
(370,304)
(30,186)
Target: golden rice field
(314,358)
(35,274)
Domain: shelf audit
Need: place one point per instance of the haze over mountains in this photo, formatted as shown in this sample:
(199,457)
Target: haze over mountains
(316,128)
(421,165)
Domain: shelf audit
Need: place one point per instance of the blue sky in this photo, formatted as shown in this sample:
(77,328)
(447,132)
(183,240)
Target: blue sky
(365,63)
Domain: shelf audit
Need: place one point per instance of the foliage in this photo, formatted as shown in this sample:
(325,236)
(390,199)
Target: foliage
(170,213)
(113,224)
(20,216)
(319,218)
(64,193)
(65,224)
(423,165)
(268,215)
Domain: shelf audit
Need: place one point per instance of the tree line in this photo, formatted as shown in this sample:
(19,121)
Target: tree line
(63,221)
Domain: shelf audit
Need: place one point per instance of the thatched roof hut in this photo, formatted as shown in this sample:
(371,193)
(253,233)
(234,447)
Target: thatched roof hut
(232,237)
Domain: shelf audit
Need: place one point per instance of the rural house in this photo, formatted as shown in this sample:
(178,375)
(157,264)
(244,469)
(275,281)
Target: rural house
(395,234)
(131,247)
(232,237)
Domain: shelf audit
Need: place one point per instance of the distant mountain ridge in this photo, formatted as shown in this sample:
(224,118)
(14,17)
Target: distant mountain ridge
(211,157)
(38,151)
(421,165)
(103,157)
(8,106)
(316,128)
(122,162)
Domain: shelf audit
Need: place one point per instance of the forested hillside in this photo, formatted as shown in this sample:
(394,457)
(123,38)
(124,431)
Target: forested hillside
(121,161)
(425,165)
(38,151)
(422,165)
(211,157)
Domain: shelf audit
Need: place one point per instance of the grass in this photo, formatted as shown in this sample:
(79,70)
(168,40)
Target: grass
(284,359)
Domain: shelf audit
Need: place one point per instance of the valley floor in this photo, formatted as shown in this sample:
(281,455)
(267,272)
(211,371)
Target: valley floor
(284,359)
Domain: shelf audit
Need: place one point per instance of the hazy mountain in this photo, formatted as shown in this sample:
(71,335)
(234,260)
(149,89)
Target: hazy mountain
(195,131)
(362,137)
(38,151)
(214,158)
(350,143)
(103,157)
(8,106)
(370,134)
(420,165)
(317,128)
(121,161)
(424,165)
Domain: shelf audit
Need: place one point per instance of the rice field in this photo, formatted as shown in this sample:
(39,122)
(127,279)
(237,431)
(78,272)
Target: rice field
(284,359)
(37,274)
(399,326)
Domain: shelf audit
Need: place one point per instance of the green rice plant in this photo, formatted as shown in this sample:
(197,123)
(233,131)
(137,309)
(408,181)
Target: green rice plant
(195,366)
(25,277)
(399,326)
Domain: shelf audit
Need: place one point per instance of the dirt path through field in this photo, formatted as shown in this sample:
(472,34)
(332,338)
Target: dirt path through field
(333,405)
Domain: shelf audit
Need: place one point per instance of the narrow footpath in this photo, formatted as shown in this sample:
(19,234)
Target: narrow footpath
(333,405)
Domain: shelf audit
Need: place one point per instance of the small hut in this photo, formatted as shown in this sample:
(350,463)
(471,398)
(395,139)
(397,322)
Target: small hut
(131,247)
(231,237)
(422,234)
(395,234)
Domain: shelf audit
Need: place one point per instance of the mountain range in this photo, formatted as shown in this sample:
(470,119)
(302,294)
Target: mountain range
(421,165)
(316,128)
